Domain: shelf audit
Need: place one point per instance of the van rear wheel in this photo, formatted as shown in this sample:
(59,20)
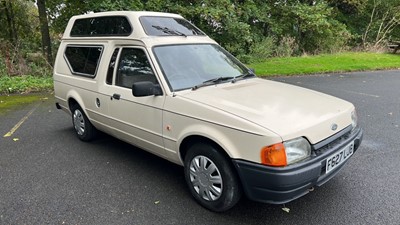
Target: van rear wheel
(211,178)
(83,128)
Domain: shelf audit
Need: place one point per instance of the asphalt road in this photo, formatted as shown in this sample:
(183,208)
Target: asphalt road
(48,176)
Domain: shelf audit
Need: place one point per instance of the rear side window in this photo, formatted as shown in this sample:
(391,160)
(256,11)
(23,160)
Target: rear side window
(83,60)
(165,26)
(101,26)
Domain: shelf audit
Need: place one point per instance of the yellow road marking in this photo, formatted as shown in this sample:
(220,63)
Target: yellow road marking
(15,128)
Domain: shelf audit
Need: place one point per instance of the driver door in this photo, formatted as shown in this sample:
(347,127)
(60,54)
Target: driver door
(137,120)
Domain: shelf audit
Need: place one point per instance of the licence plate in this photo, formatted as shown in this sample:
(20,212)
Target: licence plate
(339,157)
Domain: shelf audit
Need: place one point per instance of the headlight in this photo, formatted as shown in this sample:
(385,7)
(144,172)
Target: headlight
(297,150)
(286,153)
(354,119)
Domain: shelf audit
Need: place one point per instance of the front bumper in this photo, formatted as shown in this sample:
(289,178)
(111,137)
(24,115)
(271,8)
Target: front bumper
(278,185)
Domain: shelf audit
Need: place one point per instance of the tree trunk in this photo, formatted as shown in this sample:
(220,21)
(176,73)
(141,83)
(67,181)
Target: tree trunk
(44,30)
(12,32)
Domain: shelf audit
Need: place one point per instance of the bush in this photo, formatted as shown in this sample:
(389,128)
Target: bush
(286,47)
(263,49)
(22,62)
(269,47)
(25,84)
(244,58)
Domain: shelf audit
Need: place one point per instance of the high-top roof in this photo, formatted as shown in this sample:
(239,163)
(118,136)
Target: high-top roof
(129,24)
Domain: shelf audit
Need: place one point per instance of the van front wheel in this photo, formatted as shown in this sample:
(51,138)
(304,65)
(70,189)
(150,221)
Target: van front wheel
(211,178)
(83,128)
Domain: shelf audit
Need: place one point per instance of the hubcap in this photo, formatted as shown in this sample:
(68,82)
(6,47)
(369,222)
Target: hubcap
(206,178)
(79,122)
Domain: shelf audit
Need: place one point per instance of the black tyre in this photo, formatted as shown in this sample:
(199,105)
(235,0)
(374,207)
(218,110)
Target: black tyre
(211,178)
(83,128)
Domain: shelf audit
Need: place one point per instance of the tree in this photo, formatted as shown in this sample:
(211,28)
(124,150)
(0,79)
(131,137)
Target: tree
(244,27)
(44,30)
(18,35)
(20,21)
(8,11)
(311,23)
(348,7)
(384,17)
(317,29)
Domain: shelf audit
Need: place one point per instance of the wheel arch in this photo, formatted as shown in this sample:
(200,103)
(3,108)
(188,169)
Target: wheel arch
(193,139)
(74,98)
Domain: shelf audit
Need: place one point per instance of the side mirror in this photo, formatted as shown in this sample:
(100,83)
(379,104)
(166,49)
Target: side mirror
(146,88)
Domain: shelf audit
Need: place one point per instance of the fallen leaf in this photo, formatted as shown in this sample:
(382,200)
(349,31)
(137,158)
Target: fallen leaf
(15,139)
(286,209)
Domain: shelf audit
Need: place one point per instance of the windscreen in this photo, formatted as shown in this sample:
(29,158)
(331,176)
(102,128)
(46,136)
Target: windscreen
(185,66)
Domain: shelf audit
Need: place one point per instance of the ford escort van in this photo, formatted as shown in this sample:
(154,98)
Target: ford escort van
(158,82)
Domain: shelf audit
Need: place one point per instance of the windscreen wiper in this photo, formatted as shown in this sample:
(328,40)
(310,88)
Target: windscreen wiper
(212,81)
(243,76)
(166,30)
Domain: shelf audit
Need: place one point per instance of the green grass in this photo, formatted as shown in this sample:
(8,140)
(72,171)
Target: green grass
(342,62)
(25,84)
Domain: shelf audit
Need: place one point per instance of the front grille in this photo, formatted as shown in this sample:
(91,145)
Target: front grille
(332,142)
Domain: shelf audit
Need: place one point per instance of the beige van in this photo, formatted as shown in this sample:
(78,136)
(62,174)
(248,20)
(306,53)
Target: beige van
(157,82)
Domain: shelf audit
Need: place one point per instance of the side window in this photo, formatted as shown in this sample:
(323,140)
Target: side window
(111,66)
(83,60)
(133,67)
(101,26)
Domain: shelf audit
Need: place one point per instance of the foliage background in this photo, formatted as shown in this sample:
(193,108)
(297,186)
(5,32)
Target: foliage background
(253,30)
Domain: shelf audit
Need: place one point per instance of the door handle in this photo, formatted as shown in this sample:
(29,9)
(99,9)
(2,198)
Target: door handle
(116,96)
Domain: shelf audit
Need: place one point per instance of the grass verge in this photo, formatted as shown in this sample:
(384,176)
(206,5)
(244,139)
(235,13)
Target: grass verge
(342,62)
(8,102)
(25,84)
